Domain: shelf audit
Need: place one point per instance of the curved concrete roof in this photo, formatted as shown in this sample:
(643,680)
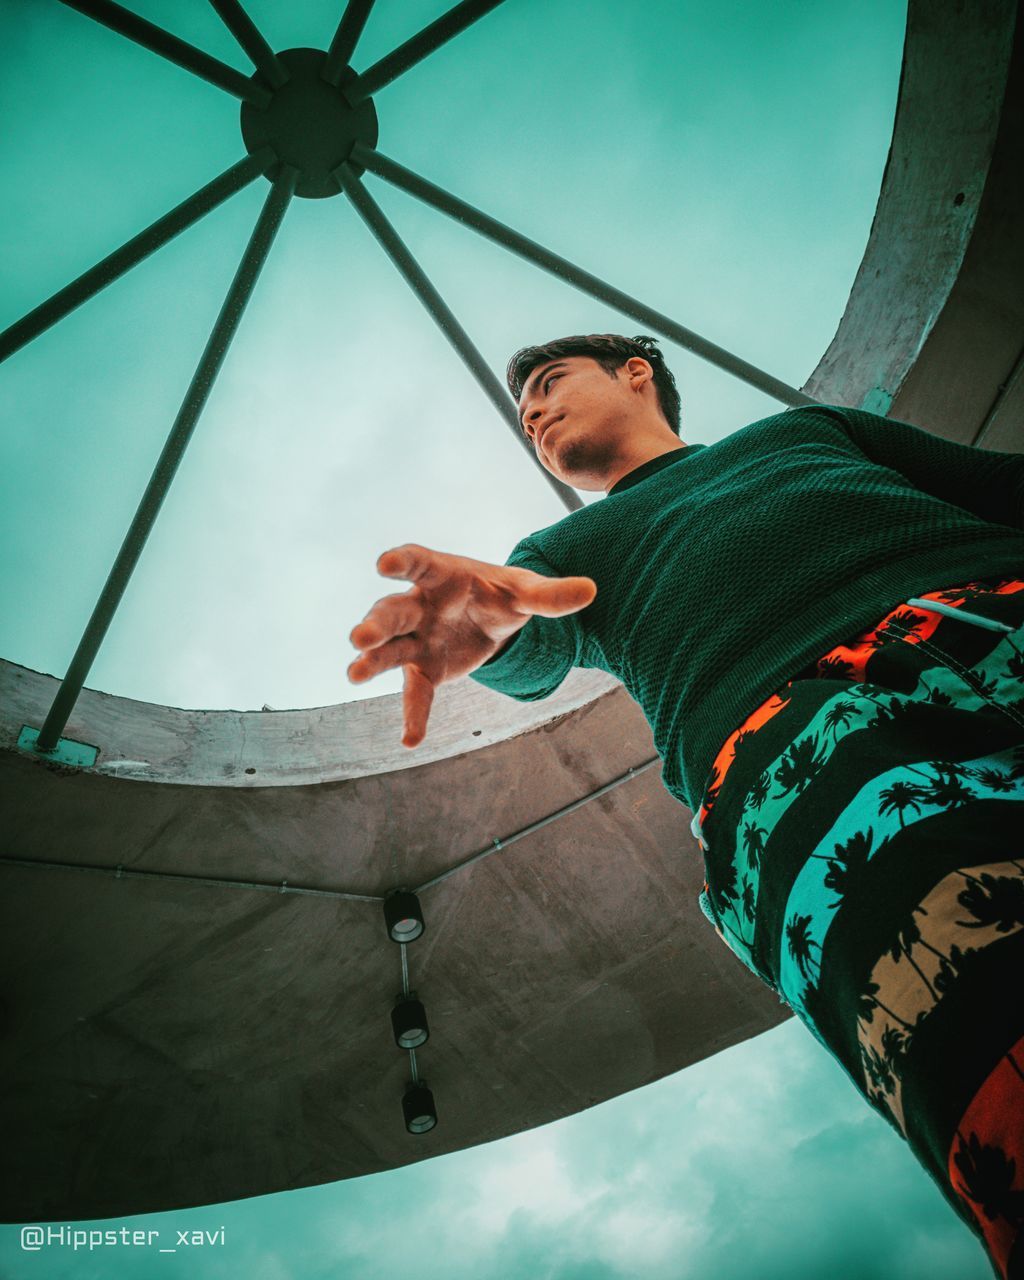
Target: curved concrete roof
(192,929)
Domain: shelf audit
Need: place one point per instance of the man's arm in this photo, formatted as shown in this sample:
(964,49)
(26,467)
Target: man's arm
(534,661)
(982,481)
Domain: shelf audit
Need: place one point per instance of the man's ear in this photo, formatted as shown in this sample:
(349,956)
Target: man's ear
(639,371)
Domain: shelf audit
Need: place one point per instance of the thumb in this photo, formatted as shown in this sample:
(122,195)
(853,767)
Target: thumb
(554,597)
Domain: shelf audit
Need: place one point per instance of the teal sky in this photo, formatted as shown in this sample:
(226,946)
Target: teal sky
(721,162)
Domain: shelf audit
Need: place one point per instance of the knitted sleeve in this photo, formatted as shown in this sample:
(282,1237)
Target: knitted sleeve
(982,481)
(535,660)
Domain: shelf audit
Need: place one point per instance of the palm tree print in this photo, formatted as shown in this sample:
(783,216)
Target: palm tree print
(753,841)
(919,939)
(983,684)
(898,797)
(994,779)
(907,935)
(993,900)
(954,768)
(725,879)
(747,899)
(743,737)
(939,698)
(881,1105)
(835,669)
(801,945)
(949,792)
(759,791)
(916,717)
(847,864)
(879,796)
(868,1002)
(800,765)
(894,1046)
(711,790)
(969,591)
(988,1176)
(876,1069)
(839,714)
(955,965)
(910,619)
(902,618)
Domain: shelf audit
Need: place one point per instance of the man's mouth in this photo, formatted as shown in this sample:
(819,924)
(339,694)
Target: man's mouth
(552,423)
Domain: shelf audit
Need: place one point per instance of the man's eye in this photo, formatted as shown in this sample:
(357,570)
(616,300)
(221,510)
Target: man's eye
(548,381)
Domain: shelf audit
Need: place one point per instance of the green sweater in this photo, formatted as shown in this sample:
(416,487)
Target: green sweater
(724,569)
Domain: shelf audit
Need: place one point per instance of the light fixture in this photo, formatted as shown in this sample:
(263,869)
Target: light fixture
(409,1022)
(418,1105)
(403,915)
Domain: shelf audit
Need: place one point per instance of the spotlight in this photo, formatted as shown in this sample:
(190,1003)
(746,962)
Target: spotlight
(418,1105)
(403,915)
(409,1021)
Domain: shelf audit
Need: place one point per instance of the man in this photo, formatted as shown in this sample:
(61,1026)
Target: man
(463,611)
(729,587)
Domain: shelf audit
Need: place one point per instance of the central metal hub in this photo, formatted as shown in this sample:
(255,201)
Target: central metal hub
(309,123)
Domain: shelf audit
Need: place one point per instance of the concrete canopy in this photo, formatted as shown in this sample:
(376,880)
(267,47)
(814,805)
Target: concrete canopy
(194,945)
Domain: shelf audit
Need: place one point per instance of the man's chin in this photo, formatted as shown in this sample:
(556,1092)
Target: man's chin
(566,465)
(575,480)
(553,469)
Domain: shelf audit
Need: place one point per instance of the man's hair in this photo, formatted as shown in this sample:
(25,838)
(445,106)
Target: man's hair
(611,351)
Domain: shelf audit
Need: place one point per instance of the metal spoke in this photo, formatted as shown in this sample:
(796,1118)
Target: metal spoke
(414,276)
(415,50)
(163,473)
(576,276)
(248,36)
(350,28)
(131,252)
(186,55)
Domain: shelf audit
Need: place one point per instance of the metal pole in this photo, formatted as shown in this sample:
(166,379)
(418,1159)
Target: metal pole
(410,269)
(350,28)
(576,276)
(186,55)
(415,50)
(1006,392)
(496,844)
(121,872)
(131,252)
(195,398)
(249,37)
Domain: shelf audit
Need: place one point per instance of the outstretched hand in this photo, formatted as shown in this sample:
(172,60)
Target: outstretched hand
(458,613)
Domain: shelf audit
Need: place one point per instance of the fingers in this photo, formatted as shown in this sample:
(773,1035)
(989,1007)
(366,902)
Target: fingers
(417,699)
(392,616)
(384,657)
(553,597)
(418,564)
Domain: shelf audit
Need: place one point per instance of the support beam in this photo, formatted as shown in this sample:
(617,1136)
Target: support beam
(494,230)
(350,28)
(248,35)
(414,276)
(432,37)
(224,329)
(131,252)
(186,55)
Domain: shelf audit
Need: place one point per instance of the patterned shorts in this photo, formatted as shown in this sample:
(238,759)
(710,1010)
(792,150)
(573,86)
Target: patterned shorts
(863,839)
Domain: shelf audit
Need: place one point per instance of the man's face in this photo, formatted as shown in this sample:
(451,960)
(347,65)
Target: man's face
(576,417)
